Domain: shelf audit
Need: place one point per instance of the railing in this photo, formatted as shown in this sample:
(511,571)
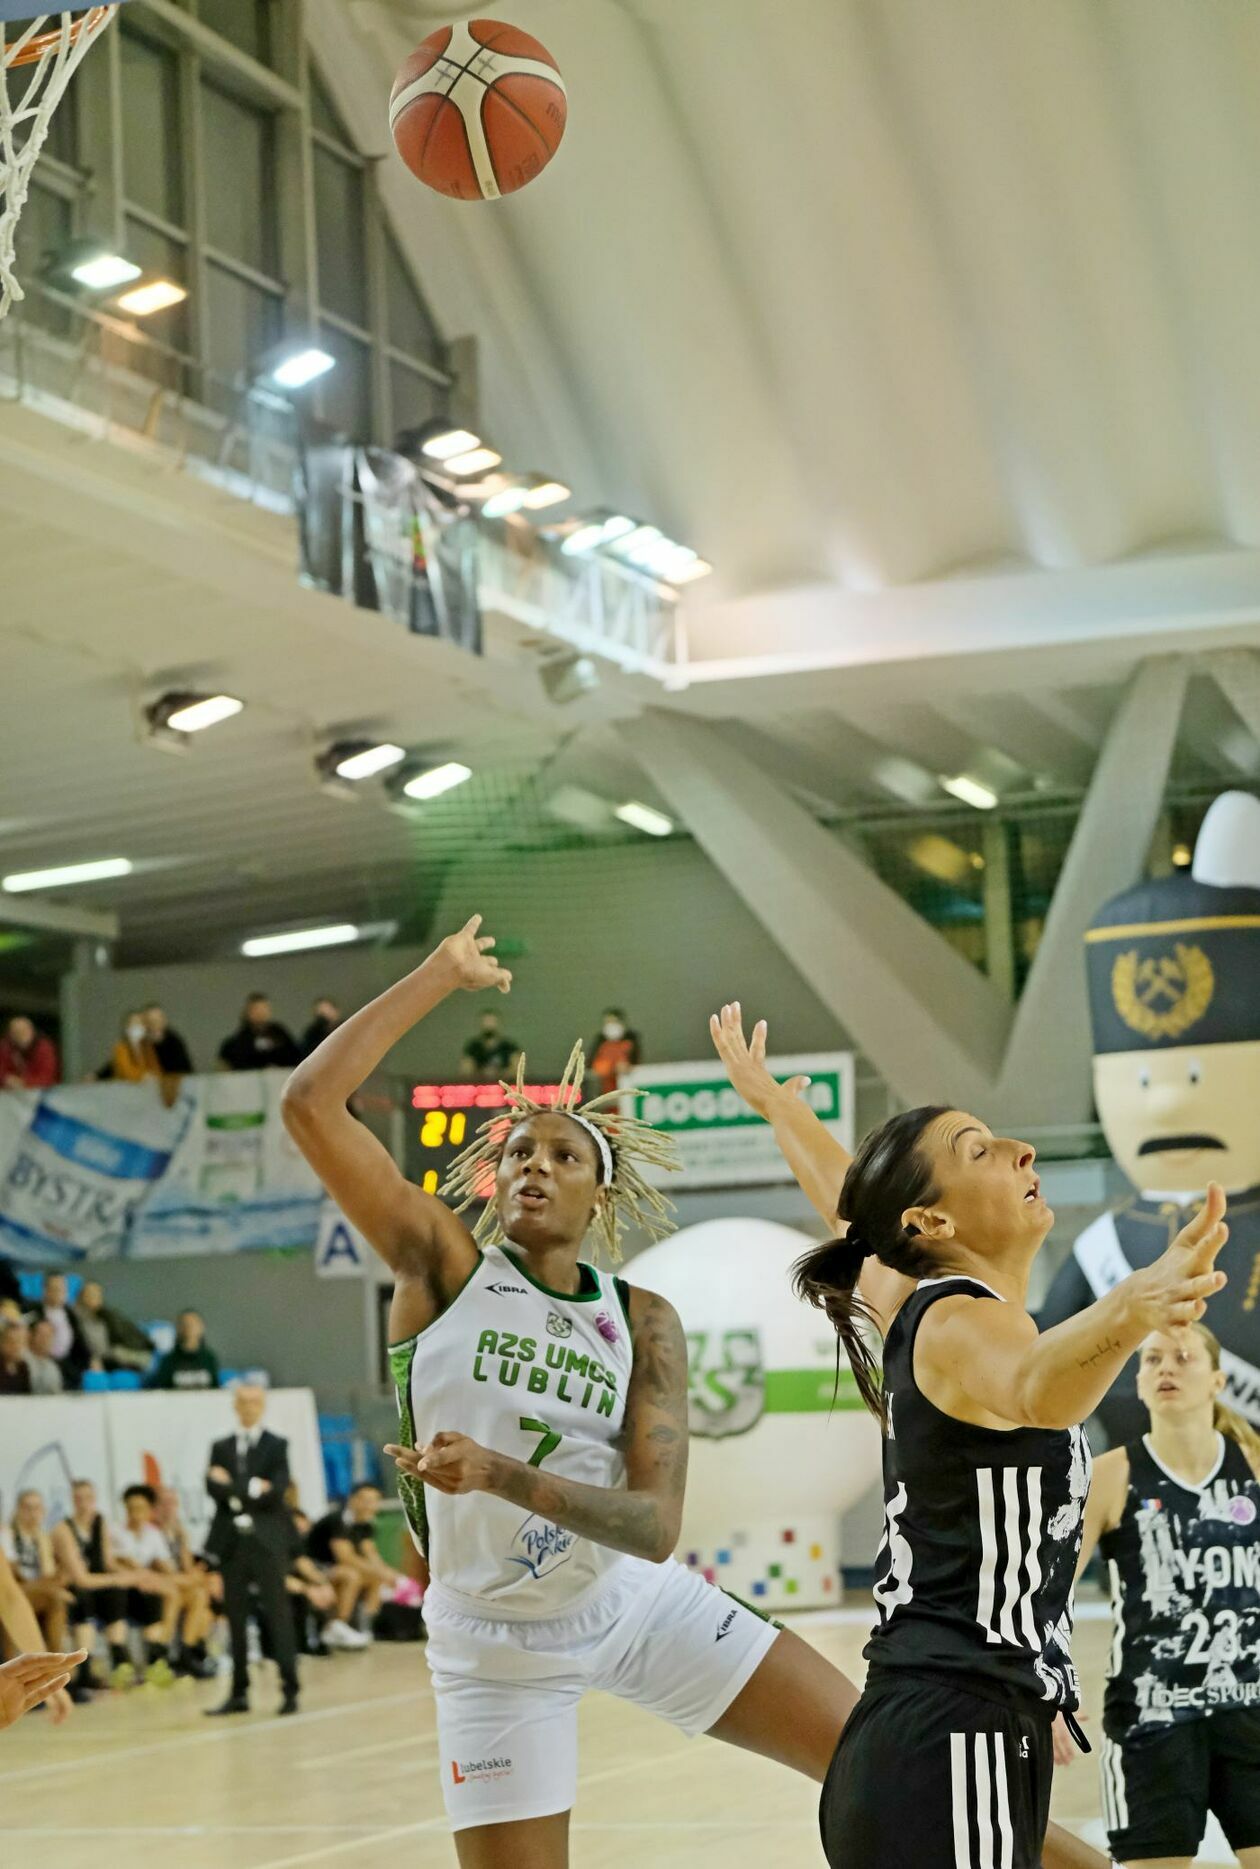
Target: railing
(103,376)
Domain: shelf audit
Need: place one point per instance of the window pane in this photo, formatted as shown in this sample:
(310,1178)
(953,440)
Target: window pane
(410,326)
(339,243)
(237,145)
(346,393)
(245,22)
(414,400)
(42,231)
(242,324)
(168,260)
(151,142)
(324,113)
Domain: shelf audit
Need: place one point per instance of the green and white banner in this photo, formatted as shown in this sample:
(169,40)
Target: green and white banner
(721,1142)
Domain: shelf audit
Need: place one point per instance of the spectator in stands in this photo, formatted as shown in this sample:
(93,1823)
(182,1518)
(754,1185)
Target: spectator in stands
(10,1286)
(616,1050)
(111,1340)
(489,1053)
(15,1371)
(45,1370)
(84,1552)
(28,1060)
(143,1561)
(327,1017)
(133,1057)
(18,1620)
(195,1615)
(344,1542)
(192,1364)
(311,1596)
(172,1053)
(26,1543)
(258,1041)
(68,1345)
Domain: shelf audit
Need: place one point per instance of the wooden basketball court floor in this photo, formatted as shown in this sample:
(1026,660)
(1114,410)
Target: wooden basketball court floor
(142,1780)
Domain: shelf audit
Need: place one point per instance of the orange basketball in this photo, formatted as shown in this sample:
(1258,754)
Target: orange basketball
(478,110)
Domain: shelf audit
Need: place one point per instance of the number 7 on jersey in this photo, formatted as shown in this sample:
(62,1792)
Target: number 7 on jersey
(547,1445)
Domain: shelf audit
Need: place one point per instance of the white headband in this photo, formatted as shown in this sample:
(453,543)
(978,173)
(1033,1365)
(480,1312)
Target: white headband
(601,1143)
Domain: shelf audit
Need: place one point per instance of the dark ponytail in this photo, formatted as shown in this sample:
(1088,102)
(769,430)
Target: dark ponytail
(888,1174)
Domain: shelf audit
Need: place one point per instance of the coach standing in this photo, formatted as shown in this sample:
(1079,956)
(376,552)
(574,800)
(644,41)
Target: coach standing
(248,1477)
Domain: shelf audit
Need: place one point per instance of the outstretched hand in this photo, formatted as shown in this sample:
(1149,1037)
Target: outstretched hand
(29,1679)
(745,1060)
(470,954)
(450,1463)
(1174,1290)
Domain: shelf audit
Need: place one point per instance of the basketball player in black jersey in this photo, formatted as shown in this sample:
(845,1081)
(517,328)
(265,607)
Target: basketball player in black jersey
(1176,1517)
(946,1763)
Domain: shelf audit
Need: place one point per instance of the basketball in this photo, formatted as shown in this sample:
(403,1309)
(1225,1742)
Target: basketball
(478,110)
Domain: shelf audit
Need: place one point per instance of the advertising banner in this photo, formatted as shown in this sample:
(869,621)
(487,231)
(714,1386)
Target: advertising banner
(720,1141)
(94,1171)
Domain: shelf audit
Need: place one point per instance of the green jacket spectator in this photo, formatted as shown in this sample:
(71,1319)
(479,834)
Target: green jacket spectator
(192,1364)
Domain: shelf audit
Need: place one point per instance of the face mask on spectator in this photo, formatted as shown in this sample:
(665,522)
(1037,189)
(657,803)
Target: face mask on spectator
(614,1029)
(136,1032)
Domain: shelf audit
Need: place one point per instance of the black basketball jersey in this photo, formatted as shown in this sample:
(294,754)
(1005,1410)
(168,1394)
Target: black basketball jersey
(1184,1565)
(982,1529)
(91,1548)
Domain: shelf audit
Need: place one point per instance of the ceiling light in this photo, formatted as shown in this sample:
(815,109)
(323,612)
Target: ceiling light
(437,780)
(687,574)
(364,761)
(68,873)
(597,532)
(551,493)
(1182,856)
(452,441)
(159,295)
(338,934)
(643,818)
(193,713)
(100,271)
(501,505)
(971,792)
(476,461)
(301,367)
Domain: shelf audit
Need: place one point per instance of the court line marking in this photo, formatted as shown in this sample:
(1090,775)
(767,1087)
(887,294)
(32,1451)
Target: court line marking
(354,1843)
(86,1761)
(423,1749)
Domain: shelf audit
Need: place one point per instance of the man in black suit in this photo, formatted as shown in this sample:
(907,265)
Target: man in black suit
(249,1538)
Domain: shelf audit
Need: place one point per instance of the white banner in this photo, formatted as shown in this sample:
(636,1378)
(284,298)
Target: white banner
(720,1142)
(88,1171)
(159,1438)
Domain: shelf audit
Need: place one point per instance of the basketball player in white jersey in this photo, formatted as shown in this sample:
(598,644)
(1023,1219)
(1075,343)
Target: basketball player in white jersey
(544,1449)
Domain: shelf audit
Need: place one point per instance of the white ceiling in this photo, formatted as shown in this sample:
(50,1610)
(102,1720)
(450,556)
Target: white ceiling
(933,326)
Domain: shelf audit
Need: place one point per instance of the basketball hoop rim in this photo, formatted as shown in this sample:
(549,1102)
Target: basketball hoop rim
(36,49)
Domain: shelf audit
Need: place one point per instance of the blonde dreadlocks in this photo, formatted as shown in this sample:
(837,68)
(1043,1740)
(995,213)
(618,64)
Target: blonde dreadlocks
(634,1145)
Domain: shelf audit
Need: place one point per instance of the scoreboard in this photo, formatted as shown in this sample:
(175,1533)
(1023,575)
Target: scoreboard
(445,1118)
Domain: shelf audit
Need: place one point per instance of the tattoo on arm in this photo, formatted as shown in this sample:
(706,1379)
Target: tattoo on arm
(1108,1347)
(642,1518)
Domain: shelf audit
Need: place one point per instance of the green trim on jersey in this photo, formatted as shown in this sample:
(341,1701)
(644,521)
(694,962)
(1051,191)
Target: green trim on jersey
(753,1610)
(623,1292)
(565,1297)
(408,1342)
(410,1491)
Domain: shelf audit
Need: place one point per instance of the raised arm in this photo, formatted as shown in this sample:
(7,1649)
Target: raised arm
(816,1159)
(412,1231)
(644,1516)
(989,1355)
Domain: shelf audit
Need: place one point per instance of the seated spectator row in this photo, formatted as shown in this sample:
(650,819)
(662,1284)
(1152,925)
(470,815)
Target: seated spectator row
(60,1344)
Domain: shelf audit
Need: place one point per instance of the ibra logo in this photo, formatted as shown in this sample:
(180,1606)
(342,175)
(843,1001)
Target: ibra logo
(479,1770)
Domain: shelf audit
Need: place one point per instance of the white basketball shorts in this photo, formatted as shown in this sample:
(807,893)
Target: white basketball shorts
(508,1692)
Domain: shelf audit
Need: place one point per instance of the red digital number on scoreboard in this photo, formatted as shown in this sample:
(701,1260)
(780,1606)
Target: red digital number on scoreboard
(476,1096)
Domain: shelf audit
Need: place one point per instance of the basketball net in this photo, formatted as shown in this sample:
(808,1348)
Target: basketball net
(39,65)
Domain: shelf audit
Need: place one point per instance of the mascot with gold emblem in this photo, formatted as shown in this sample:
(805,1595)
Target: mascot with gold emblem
(1174,991)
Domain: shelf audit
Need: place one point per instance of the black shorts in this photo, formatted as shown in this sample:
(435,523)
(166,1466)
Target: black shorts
(1158,1788)
(928,1776)
(103,1606)
(143,1609)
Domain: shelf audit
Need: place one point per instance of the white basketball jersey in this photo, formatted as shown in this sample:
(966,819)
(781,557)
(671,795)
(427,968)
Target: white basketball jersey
(535,1374)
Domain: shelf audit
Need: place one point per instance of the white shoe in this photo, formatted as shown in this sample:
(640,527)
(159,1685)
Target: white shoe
(339,1634)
